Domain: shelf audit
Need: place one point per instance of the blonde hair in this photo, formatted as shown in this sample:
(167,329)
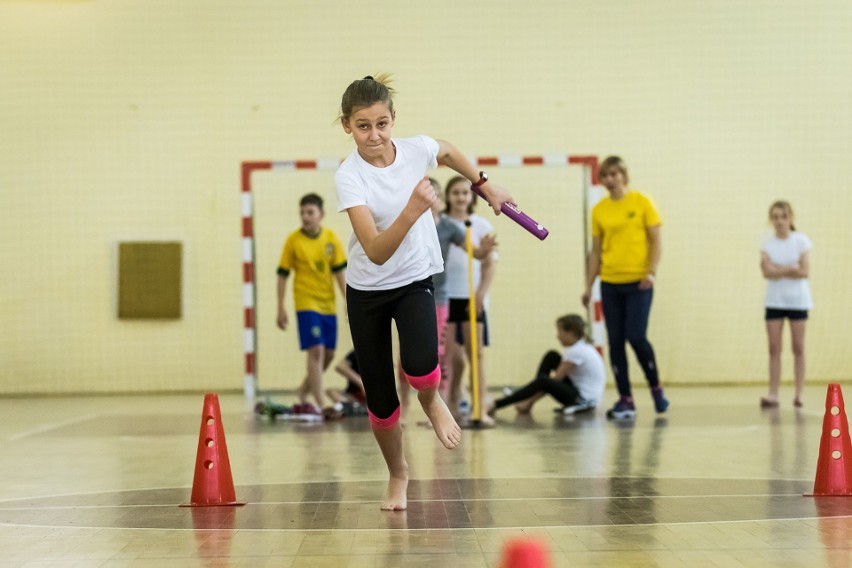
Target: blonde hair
(364,93)
(614,162)
(786,208)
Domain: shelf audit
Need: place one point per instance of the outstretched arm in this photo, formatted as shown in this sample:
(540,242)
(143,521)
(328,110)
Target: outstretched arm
(450,156)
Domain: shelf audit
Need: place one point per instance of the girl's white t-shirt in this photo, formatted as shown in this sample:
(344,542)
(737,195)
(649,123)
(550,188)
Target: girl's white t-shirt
(589,373)
(788,293)
(386,191)
(458,286)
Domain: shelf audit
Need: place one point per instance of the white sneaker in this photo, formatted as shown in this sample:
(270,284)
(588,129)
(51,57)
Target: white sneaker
(581,406)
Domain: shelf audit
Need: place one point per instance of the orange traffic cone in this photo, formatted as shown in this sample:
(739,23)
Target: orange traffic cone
(834,466)
(525,553)
(213,484)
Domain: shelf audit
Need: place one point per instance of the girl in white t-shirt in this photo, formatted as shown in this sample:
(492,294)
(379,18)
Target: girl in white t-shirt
(460,204)
(784,262)
(576,378)
(393,252)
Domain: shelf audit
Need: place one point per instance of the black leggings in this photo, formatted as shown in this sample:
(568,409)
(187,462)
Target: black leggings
(412,307)
(562,390)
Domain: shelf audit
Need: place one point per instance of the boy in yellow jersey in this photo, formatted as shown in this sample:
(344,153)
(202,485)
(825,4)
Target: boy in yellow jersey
(316,257)
(625,253)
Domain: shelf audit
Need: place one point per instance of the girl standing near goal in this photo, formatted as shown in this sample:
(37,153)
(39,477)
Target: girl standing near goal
(393,252)
(784,260)
(460,206)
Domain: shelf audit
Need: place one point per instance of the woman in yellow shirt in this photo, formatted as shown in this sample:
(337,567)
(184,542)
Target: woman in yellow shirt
(625,254)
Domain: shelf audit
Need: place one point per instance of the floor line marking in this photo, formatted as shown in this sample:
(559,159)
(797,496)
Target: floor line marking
(434,529)
(52,426)
(454,500)
(424,480)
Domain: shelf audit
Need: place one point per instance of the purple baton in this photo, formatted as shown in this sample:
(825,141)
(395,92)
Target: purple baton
(512,211)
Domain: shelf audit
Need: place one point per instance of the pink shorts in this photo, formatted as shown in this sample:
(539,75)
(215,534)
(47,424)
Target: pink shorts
(442,312)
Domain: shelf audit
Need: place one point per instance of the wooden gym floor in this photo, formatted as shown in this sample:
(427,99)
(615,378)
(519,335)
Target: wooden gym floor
(716,482)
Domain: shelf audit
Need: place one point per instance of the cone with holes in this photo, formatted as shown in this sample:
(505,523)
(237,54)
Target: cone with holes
(834,465)
(525,553)
(213,484)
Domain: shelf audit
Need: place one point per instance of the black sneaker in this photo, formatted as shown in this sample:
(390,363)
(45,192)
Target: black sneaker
(582,405)
(623,410)
(661,403)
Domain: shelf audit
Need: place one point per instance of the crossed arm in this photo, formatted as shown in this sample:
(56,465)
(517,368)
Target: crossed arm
(773,271)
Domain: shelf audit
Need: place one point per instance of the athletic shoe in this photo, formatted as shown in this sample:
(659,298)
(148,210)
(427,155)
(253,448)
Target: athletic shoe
(661,403)
(306,412)
(306,408)
(581,405)
(507,391)
(309,408)
(464,408)
(623,410)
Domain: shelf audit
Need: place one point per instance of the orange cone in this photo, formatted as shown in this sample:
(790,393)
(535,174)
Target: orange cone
(525,553)
(834,466)
(213,484)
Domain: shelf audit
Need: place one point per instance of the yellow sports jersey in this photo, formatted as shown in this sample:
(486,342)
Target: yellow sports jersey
(313,259)
(621,226)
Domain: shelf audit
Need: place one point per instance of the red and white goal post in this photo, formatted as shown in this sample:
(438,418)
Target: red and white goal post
(592,193)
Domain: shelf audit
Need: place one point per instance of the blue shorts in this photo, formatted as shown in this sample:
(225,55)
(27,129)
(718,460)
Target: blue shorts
(317,329)
(793,315)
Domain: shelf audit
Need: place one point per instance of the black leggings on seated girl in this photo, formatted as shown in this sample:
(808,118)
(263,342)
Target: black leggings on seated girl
(562,390)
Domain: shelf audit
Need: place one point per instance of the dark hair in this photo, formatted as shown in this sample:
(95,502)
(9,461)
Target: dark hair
(786,207)
(366,92)
(574,324)
(454,180)
(614,162)
(311,199)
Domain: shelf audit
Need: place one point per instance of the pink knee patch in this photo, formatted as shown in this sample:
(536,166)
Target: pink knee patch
(426,381)
(384,423)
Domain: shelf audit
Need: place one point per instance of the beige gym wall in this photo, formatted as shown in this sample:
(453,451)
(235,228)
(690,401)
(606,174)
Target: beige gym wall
(127,121)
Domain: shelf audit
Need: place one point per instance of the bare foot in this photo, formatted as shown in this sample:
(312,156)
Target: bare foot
(396,498)
(523,407)
(445,426)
